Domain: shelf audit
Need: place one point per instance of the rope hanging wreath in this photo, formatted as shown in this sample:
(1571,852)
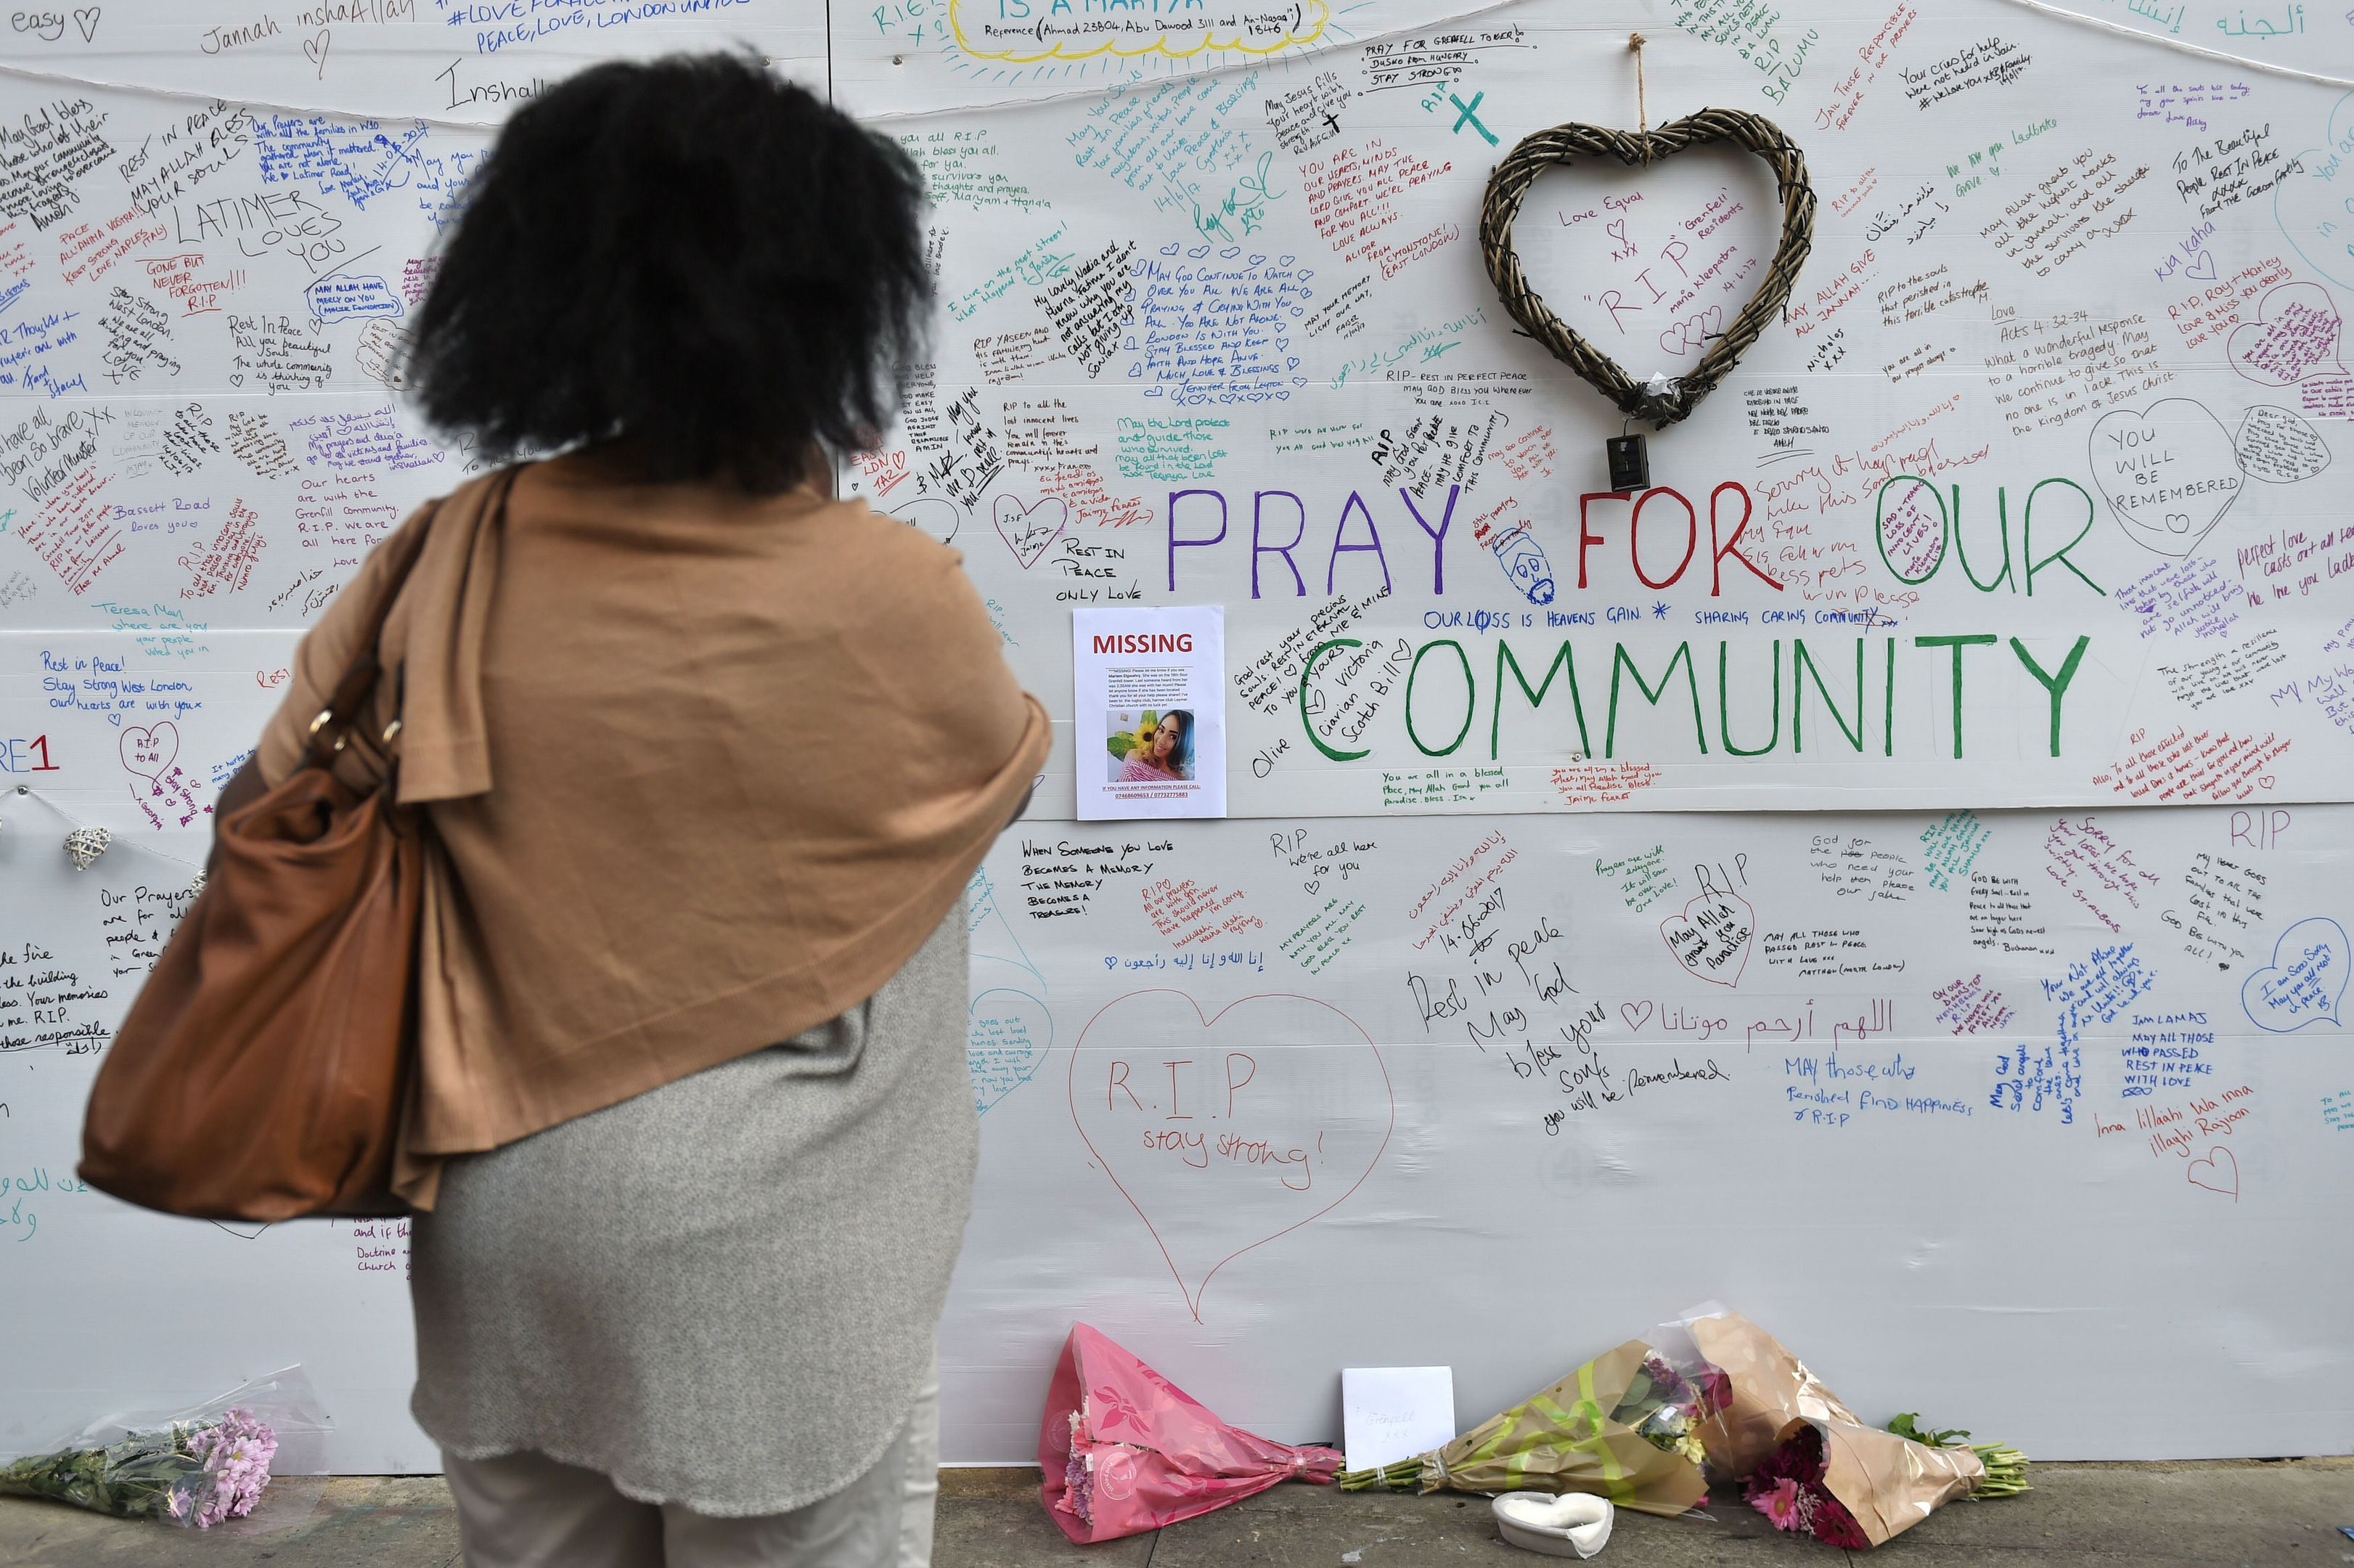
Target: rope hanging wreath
(1509,185)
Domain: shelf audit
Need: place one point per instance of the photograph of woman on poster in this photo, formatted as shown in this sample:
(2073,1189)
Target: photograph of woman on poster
(1159,750)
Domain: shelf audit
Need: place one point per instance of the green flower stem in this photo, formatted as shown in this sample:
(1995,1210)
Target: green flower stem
(131,1479)
(2006,1471)
(2006,1467)
(1402,1476)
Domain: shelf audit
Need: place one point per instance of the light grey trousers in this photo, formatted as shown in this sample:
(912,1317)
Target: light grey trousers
(527,1511)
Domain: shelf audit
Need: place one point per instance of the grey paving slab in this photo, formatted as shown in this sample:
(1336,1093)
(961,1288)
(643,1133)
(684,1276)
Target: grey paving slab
(2234,1514)
(991,1518)
(2283,1513)
(351,1521)
(1316,1529)
(2252,1514)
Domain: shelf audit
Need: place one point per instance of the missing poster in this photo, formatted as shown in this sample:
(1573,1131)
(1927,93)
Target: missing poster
(1149,690)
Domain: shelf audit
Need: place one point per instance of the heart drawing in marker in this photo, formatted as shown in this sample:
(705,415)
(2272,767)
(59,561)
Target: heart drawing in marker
(1711,937)
(2305,982)
(1225,1132)
(1692,334)
(151,752)
(87,20)
(2219,1173)
(1636,1013)
(1028,530)
(2169,473)
(2310,202)
(933,516)
(2277,446)
(2296,334)
(1007,1034)
(314,50)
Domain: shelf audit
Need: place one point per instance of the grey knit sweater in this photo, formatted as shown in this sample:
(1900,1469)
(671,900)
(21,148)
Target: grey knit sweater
(721,1293)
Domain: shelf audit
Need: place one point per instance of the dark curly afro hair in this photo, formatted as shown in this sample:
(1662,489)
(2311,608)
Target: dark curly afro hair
(690,252)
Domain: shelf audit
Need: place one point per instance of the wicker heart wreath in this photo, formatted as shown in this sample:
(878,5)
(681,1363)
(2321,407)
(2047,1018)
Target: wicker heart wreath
(1510,184)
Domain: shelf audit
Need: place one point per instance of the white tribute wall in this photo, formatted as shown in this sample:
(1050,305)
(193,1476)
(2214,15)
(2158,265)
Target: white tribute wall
(1888,874)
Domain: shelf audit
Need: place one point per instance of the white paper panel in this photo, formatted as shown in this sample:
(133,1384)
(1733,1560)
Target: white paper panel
(1959,1072)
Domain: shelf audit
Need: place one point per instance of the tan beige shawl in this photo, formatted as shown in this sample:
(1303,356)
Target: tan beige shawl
(705,769)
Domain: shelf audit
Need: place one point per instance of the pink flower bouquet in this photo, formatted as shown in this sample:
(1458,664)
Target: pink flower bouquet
(1812,1465)
(1788,1490)
(1123,1450)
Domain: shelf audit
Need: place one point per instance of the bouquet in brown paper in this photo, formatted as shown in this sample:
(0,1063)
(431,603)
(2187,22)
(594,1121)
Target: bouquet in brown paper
(1811,1464)
(1621,1427)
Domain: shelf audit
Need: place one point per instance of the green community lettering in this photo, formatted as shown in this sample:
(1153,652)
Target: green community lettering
(1821,696)
(1870,695)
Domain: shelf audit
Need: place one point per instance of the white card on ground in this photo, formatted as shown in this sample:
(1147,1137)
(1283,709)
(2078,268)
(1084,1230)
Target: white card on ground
(1388,1413)
(1150,689)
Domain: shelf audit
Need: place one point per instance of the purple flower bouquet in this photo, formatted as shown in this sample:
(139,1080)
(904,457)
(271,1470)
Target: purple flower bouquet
(197,1468)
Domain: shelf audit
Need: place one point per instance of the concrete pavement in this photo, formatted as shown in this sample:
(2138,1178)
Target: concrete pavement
(2231,1512)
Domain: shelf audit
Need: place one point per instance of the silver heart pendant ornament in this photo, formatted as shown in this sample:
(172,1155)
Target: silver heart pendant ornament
(84,845)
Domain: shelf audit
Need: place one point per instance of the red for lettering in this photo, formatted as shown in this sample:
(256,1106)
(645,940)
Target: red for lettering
(1635,536)
(1731,547)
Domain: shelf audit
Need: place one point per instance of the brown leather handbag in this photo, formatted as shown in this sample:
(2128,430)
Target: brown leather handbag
(262,1070)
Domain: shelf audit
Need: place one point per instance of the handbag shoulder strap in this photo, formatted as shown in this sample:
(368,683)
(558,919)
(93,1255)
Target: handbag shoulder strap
(332,728)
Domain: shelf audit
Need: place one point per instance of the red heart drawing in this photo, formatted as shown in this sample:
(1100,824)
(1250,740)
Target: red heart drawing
(1694,333)
(1711,937)
(1028,530)
(1636,1013)
(1220,1140)
(150,752)
(2223,1172)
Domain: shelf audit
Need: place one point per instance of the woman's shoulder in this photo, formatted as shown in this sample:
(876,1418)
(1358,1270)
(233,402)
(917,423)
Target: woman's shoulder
(586,496)
(855,512)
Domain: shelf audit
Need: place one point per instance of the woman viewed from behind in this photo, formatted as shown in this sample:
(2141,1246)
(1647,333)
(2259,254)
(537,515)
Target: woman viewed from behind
(707,760)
